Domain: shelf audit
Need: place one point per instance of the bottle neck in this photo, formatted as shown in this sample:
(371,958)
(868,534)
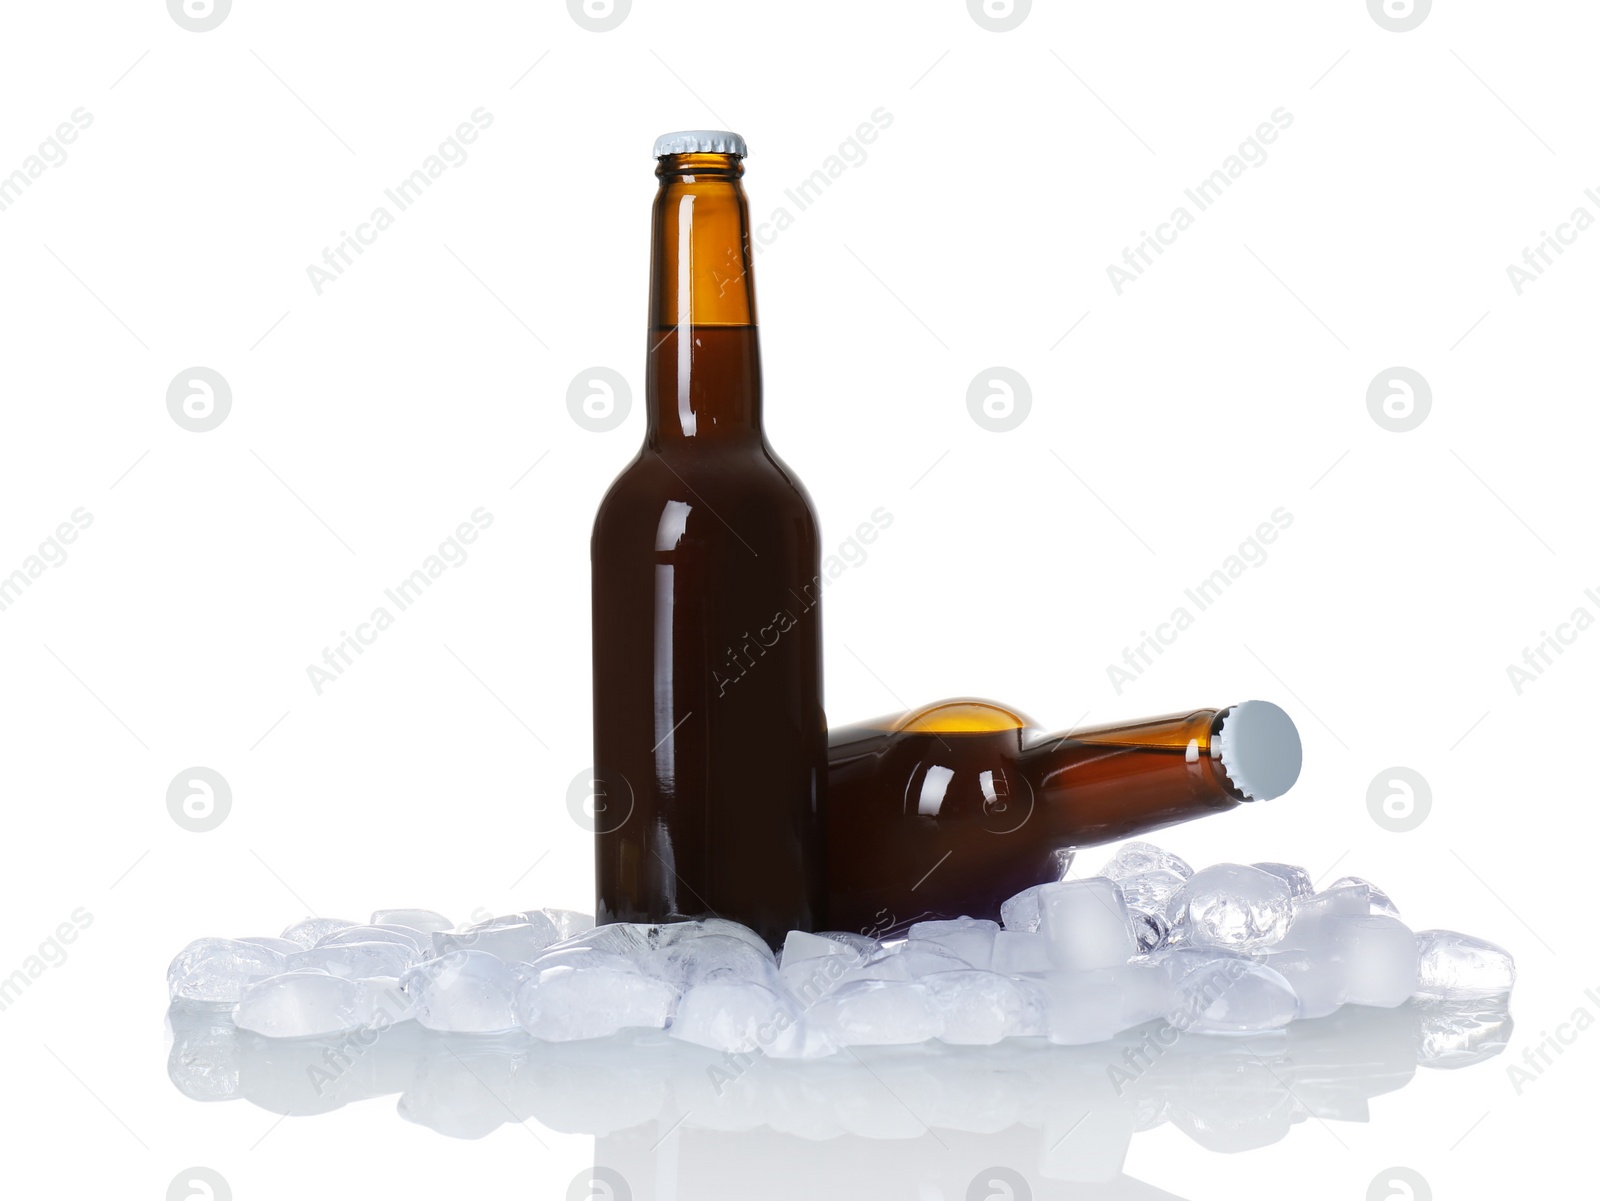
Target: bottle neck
(703,372)
(1112,782)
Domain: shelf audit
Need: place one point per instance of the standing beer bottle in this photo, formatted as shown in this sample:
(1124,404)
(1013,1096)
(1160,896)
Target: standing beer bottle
(946,811)
(710,742)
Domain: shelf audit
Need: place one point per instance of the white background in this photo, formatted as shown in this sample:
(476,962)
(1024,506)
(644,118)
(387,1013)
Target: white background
(431,379)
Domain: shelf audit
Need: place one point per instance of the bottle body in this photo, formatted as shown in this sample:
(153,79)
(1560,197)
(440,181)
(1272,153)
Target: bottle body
(710,739)
(949,810)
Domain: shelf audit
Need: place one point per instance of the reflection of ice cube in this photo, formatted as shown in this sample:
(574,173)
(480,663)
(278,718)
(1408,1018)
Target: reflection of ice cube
(1231,905)
(1455,1034)
(301,1004)
(216,970)
(1087,924)
(970,938)
(465,992)
(1458,965)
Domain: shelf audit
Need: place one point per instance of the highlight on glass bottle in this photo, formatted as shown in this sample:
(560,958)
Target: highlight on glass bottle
(949,809)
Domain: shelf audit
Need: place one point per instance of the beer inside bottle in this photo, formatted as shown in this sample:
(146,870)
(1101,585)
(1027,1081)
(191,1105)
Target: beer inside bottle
(948,810)
(709,737)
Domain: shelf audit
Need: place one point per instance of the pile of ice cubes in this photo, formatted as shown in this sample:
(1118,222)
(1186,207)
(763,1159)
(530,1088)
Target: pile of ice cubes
(1229,949)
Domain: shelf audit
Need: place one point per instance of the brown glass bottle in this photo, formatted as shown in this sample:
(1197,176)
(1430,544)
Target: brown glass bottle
(709,737)
(950,809)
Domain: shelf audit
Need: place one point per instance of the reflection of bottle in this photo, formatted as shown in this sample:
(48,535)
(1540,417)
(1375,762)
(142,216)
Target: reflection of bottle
(710,741)
(952,808)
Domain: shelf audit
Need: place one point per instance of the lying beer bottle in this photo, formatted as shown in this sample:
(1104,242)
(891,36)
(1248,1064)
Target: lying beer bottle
(948,810)
(710,742)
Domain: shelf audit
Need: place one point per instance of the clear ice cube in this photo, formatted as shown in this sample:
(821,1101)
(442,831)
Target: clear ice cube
(1151,892)
(1231,905)
(215,971)
(1136,858)
(1453,965)
(424,920)
(1232,996)
(1021,912)
(309,931)
(693,961)
(355,960)
(416,939)
(1297,878)
(514,942)
(1377,900)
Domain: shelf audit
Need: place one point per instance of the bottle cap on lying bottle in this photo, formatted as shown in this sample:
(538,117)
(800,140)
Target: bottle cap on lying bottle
(701,141)
(1260,749)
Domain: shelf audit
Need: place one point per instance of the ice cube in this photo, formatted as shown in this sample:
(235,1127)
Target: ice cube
(1150,892)
(1351,902)
(1087,924)
(1017,951)
(464,992)
(800,946)
(980,1008)
(1318,979)
(424,920)
(1380,958)
(1135,858)
(1084,1007)
(383,1002)
(1455,965)
(1297,878)
(420,942)
(732,1015)
(693,961)
(1231,905)
(863,945)
(282,946)
(1021,912)
(919,957)
(309,931)
(672,933)
(355,960)
(560,1002)
(878,1013)
(569,922)
(216,970)
(1150,930)
(972,939)
(516,942)
(1377,900)
(300,1005)
(1232,996)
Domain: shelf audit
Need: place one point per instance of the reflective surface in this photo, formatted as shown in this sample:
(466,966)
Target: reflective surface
(673,1120)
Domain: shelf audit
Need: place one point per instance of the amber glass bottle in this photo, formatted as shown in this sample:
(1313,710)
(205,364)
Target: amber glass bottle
(950,809)
(710,742)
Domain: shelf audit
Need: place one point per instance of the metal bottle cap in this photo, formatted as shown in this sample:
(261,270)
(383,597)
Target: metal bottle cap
(1260,749)
(701,141)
